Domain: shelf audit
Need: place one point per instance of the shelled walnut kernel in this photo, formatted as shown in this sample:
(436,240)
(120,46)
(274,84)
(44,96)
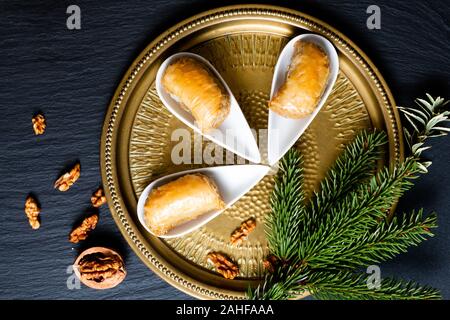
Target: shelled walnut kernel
(223,265)
(32,211)
(98,198)
(82,231)
(39,124)
(241,233)
(68,179)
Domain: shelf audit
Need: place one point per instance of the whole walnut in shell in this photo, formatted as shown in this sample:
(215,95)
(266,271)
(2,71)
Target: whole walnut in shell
(100,268)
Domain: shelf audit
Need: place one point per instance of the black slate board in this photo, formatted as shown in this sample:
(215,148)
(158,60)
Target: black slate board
(71,76)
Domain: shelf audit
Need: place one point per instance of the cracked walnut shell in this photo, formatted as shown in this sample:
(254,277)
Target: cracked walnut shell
(241,233)
(68,179)
(32,211)
(82,231)
(39,124)
(223,265)
(100,268)
(98,198)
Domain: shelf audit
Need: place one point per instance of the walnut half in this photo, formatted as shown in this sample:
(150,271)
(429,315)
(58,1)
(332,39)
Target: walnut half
(32,211)
(98,198)
(241,233)
(68,179)
(39,124)
(223,265)
(82,231)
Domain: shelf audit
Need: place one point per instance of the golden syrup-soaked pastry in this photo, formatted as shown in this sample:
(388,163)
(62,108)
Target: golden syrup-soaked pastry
(200,92)
(306,80)
(181,200)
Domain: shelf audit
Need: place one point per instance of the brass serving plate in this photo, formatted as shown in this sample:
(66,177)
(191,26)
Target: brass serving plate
(243,42)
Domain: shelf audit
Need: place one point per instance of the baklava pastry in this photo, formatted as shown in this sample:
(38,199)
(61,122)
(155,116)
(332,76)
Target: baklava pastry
(305,82)
(191,83)
(181,200)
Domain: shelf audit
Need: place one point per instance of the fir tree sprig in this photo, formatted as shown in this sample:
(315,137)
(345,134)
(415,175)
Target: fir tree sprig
(345,226)
(346,285)
(354,216)
(356,163)
(426,120)
(286,282)
(287,204)
(381,240)
(387,240)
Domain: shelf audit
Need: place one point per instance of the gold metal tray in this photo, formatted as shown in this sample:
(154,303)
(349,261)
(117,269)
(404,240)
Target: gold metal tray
(243,43)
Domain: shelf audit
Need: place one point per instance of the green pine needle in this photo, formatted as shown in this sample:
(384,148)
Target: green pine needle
(355,164)
(355,215)
(345,226)
(284,283)
(346,285)
(287,207)
(428,119)
(384,242)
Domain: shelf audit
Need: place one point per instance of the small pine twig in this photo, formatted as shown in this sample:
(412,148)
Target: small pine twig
(344,227)
(288,207)
(387,240)
(345,285)
(355,164)
(286,282)
(356,214)
(426,120)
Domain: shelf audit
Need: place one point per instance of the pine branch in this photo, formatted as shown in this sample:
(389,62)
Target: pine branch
(387,240)
(345,225)
(355,164)
(346,285)
(356,215)
(353,234)
(427,120)
(287,203)
(285,283)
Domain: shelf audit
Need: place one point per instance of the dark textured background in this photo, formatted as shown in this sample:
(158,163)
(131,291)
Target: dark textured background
(71,76)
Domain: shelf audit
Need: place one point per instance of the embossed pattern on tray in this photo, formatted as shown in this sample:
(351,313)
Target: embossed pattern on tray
(236,57)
